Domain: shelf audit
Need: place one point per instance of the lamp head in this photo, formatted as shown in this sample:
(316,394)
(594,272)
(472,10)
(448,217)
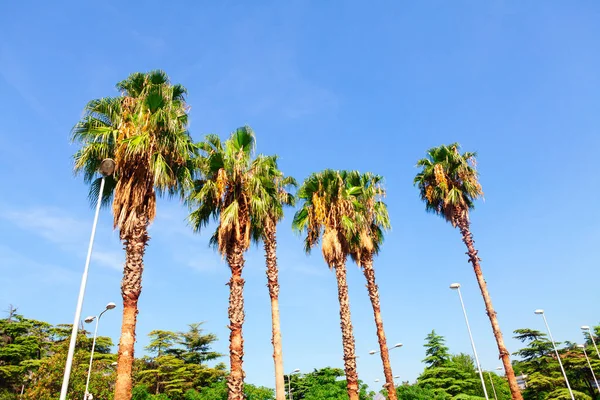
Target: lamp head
(398,345)
(372,352)
(107,167)
(376,380)
(296,370)
(585,328)
(455,286)
(110,306)
(581,346)
(89,319)
(539,311)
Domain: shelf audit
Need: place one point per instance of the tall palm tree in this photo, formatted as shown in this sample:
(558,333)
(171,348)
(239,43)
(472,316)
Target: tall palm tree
(265,229)
(231,190)
(373,219)
(327,214)
(145,131)
(449,186)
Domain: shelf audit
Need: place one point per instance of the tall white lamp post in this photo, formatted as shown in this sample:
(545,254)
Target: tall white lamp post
(582,347)
(107,167)
(591,333)
(397,345)
(88,320)
(492,382)
(290,382)
(541,312)
(456,286)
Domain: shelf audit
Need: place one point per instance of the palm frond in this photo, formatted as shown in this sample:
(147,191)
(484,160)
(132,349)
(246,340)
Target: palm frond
(448,181)
(144,131)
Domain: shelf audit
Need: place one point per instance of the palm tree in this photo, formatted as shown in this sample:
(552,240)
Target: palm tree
(374,219)
(265,229)
(144,131)
(231,190)
(327,214)
(449,186)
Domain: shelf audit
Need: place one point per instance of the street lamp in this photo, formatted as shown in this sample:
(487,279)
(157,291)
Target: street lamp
(541,312)
(492,382)
(591,333)
(88,320)
(582,347)
(107,167)
(397,345)
(389,348)
(290,382)
(456,286)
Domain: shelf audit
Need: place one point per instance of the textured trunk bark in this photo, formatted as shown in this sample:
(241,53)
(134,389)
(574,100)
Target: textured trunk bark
(235,384)
(467,238)
(131,287)
(367,265)
(273,284)
(347,330)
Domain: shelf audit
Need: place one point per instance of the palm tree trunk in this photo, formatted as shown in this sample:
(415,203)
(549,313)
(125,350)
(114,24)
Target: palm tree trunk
(235,384)
(367,265)
(131,287)
(467,238)
(347,330)
(273,284)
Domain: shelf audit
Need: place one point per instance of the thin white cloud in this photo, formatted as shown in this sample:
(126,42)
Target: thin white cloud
(28,269)
(304,268)
(111,259)
(50,223)
(205,264)
(70,234)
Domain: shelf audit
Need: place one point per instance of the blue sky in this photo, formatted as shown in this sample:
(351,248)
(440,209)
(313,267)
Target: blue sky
(367,86)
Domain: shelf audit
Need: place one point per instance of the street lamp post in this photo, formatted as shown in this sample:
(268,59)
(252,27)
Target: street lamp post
(541,312)
(591,333)
(397,345)
(456,286)
(290,382)
(389,348)
(582,347)
(492,382)
(107,167)
(88,320)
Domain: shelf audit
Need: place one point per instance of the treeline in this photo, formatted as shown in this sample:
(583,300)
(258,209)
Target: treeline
(455,376)
(33,355)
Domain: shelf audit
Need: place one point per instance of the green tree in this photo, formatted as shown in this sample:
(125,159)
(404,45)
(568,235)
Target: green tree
(277,196)
(464,362)
(178,360)
(414,392)
(218,391)
(544,378)
(45,383)
(448,184)
(161,341)
(169,375)
(444,374)
(231,190)
(196,345)
(327,213)
(324,383)
(372,213)
(437,353)
(23,343)
(145,131)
